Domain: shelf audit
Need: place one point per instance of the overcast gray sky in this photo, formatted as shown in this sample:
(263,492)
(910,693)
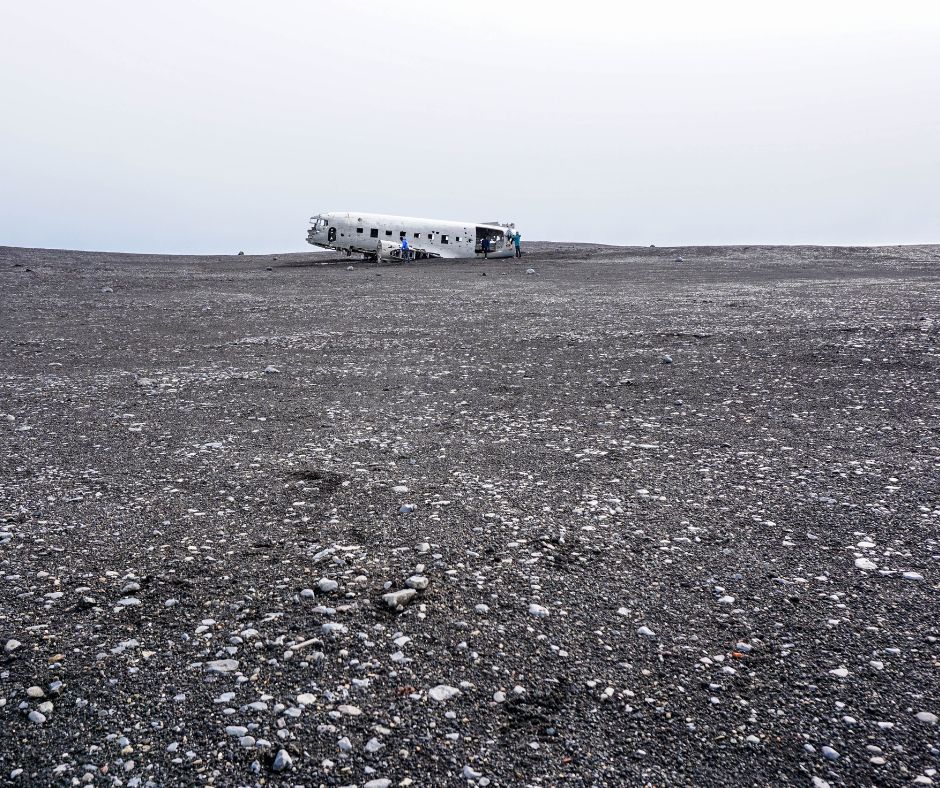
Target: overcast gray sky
(216,126)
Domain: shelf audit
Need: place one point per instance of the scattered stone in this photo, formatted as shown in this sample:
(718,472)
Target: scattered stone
(326,585)
(398,600)
(443,692)
(864,563)
(282,761)
(222,665)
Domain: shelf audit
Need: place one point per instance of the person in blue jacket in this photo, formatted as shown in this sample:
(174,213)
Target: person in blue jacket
(517,242)
(404,248)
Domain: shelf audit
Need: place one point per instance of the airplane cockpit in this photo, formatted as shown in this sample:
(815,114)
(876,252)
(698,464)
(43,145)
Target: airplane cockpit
(319,226)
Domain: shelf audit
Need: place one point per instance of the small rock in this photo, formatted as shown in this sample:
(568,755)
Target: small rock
(417,582)
(37,717)
(282,761)
(326,585)
(222,665)
(271,370)
(913,576)
(306,699)
(538,611)
(399,599)
(925,716)
(530,270)
(236,730)
(351,711)
(646,632)
(829,754)
(443,692)
(35,692)
(864,563)
(12,645)
(470,773)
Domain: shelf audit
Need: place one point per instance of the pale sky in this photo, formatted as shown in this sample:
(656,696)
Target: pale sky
(219,125)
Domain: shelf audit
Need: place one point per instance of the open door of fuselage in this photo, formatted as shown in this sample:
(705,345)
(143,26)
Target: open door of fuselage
(497,239)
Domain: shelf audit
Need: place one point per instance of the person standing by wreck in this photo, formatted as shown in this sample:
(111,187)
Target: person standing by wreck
(404,248)
(485,244)
(517,243)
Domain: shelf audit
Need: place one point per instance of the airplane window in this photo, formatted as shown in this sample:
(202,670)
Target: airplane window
(388,232)
(402,234)
(430,236)
(457,239)
(417,235)
(358,229)
(373,233)
(444,239)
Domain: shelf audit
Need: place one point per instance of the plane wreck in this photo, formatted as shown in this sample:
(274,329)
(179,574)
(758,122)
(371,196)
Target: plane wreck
(383,237)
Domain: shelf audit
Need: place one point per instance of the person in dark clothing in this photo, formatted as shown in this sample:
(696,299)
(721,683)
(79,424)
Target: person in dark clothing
(486,247)
(517,242)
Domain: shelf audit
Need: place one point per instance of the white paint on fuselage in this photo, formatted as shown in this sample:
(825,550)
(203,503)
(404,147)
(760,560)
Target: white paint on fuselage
(365,233)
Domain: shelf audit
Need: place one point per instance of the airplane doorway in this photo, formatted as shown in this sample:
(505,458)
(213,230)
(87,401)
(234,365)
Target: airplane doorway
(496,238)
(331,235)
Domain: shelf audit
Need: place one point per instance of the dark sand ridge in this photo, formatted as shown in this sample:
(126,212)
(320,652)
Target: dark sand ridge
(636,571)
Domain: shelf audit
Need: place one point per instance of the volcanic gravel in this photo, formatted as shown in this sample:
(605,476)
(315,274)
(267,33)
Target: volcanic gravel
(621,520)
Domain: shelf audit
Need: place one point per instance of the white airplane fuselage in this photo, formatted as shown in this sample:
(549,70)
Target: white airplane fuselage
(379,236)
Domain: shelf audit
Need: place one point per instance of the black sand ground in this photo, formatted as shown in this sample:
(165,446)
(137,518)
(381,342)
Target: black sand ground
(637,571)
